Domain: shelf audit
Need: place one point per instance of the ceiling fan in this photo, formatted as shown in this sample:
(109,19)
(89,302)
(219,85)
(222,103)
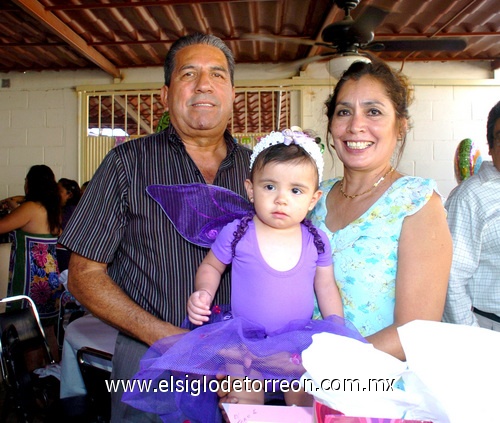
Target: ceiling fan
(349,37)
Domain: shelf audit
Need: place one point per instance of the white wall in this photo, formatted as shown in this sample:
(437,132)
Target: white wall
(39,124)
(39,116)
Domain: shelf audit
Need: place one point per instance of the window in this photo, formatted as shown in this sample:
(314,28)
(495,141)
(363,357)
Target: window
(113,117)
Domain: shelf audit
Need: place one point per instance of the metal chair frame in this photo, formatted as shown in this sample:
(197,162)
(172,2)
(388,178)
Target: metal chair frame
(21,331)
(36,316)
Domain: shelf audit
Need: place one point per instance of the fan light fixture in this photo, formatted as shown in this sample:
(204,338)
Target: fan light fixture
(340,63)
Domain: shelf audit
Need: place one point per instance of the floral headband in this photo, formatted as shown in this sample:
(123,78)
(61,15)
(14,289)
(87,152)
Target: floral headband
(294,135)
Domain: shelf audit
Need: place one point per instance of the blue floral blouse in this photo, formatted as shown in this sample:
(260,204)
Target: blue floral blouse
(365,253)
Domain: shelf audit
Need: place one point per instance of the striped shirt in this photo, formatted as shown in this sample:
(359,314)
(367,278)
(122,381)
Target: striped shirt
(118,223)
(474,221)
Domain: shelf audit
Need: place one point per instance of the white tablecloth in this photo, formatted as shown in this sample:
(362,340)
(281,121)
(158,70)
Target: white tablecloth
(87,331)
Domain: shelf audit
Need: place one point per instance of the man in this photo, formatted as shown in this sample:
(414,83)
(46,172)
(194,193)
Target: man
(129,265)
(474,219)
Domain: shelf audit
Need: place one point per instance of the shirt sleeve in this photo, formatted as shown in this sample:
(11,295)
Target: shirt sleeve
(465,228)
(222,245)
(97,225)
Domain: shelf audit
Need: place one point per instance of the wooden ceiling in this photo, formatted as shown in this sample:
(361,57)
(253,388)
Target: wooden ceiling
(38,35)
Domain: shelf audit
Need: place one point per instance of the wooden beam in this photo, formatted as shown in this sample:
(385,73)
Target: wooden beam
(59,28)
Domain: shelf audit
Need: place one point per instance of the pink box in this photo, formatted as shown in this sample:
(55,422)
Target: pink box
(238,413)
(325,414)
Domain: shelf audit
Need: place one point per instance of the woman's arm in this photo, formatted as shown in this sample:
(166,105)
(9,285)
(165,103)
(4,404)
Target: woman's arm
(424,261)
(12,203)
(327,293)
(18,218)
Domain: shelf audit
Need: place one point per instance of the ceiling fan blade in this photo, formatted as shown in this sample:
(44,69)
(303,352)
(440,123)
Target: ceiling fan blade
(283,39)
(365,24)
(430,44)
(301,62)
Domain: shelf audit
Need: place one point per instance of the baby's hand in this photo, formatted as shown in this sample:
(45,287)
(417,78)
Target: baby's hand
(198,307)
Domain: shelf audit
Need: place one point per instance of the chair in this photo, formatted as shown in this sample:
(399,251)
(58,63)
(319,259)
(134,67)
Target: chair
(21,333)
(69,310)
(95,406)
(95,367)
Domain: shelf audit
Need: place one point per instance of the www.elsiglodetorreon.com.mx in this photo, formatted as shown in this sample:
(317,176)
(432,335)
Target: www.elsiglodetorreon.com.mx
(194,386)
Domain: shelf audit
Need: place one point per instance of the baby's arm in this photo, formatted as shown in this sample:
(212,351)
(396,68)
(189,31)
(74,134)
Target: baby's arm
(206,285)
(327,293)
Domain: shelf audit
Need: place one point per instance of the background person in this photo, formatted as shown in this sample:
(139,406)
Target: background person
(474,219)
(70,196)
(84,187)
(36,224)
(130,267)
(390,241)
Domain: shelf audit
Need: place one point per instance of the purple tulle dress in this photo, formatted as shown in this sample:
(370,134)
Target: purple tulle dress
(182,369)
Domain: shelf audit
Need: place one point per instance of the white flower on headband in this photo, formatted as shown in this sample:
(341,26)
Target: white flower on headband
(294,135)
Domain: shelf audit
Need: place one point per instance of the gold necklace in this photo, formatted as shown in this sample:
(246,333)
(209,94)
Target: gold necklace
(375,185)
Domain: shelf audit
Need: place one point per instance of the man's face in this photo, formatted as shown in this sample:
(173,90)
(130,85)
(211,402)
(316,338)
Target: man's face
(495,151)
(200,97)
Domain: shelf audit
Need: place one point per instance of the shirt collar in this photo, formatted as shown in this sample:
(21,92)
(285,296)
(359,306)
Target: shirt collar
(488,172)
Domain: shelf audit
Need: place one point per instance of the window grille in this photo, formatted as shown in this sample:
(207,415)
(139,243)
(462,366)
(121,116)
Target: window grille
(114,117)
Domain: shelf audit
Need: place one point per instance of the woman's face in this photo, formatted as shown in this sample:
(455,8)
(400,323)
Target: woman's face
(364,126)
(65,194)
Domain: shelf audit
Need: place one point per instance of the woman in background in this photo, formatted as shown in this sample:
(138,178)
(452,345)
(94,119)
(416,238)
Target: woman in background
(390,241)
(70,196)
(36,225)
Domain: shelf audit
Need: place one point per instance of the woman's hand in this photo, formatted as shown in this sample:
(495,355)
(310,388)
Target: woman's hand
(11,203)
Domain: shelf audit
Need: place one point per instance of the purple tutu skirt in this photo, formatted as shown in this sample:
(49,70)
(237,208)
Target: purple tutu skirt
(181,369)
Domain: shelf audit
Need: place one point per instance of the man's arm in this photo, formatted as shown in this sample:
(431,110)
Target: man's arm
(89,282)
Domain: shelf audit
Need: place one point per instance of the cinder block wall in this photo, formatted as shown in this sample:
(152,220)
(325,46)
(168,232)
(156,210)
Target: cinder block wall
(39,118)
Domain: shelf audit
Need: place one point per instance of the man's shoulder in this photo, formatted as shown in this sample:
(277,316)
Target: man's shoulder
(475,188)
(487,173)
(466,188)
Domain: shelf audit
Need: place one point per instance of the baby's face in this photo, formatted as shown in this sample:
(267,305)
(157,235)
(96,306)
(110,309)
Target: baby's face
(283,193)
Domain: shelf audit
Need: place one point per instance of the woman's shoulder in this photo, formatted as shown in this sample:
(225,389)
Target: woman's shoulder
(411,193)
(416,185)
(416,181)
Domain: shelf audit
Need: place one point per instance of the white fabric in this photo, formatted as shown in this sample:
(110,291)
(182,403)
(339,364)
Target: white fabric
(449,376)
(87,331)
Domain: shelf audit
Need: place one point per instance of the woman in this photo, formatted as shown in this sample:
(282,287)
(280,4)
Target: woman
(37,224)
(390,241)
(70,196)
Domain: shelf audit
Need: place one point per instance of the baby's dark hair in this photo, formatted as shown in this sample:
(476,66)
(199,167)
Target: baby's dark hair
(243,226)
(282,153)
(278,153)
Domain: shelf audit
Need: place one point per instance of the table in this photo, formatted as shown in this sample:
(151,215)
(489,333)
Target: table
(87,331)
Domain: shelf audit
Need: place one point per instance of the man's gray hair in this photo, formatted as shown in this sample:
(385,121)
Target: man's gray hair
(193,39)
